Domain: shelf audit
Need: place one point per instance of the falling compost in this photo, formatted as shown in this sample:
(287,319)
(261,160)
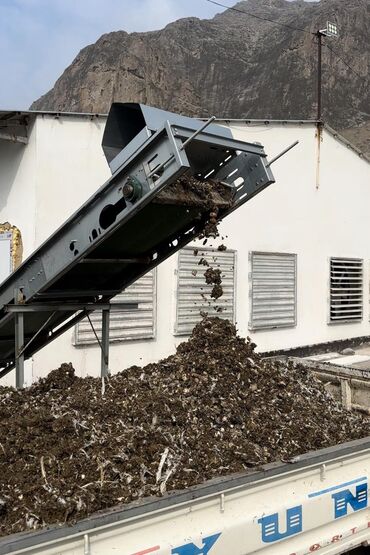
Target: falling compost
(69,448)
(212,275)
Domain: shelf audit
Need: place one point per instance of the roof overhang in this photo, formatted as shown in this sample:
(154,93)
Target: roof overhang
(14,126)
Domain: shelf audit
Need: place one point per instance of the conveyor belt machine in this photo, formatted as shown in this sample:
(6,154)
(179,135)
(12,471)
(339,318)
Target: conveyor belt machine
(126,228)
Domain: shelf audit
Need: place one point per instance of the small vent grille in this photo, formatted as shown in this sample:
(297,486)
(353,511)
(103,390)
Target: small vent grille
(273,290)
(125,325)
(193,295)
(346,285)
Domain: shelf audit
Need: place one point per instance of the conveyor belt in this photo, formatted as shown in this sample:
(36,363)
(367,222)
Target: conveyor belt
(127,227)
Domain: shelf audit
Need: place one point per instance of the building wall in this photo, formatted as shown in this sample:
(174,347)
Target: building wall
(70,167)
(18,202)
(17,188)
(312,214)
(313,218)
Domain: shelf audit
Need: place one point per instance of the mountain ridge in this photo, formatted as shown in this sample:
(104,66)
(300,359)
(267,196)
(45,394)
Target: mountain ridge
(232,66)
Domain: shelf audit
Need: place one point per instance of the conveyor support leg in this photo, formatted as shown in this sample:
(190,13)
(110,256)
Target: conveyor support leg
(105,343)
(19,343)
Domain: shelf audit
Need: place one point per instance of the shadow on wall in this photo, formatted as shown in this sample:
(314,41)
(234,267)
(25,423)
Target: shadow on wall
(11,155)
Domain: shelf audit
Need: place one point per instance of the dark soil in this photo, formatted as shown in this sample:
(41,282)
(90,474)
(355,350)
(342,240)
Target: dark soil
(221,248)
(209,195)
(70,447)
(203,262)
(213,276)
(217,292)
(189,191)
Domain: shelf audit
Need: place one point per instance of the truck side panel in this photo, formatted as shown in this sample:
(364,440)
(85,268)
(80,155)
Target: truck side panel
(292,509)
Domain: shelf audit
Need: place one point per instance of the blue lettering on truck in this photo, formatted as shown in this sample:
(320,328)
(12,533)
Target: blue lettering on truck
(191,549)
(270,525)
(344,498)
(275,527)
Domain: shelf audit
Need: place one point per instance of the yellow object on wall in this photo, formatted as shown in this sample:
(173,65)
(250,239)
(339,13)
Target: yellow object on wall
(17,245)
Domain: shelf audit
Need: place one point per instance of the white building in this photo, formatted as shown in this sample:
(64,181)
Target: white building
(297,269)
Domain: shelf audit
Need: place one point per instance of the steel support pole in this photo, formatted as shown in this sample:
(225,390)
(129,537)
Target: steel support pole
(105,343)
(319,75)
(19,353)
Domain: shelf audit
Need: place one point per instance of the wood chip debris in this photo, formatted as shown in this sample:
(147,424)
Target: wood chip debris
(213,408)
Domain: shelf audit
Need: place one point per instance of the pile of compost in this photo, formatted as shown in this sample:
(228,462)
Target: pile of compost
(190,191)
(71,446)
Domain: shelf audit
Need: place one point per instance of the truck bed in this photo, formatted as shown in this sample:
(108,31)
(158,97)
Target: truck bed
(316,502)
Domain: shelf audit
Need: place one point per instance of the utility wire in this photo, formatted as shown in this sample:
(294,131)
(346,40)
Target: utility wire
(260,17)
(344,61)
(289,27)
(285,25)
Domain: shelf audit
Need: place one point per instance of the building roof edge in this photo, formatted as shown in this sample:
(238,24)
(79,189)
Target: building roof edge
(335,134)
(245,121)
(55,113)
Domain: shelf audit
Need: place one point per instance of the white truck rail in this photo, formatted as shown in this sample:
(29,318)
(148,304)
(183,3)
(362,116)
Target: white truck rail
(316,503)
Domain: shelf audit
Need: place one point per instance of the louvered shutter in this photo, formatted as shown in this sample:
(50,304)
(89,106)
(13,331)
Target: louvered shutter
(191,286)
(346,289)
(273,290)
(125,325)
(5,255)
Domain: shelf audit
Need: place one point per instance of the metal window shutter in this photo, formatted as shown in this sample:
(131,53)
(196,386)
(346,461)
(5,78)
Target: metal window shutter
(125,325)
(191,285)
(273,290)
(346,288)
(5,255)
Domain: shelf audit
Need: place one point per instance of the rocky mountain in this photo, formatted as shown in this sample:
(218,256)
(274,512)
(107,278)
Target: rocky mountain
(233,65)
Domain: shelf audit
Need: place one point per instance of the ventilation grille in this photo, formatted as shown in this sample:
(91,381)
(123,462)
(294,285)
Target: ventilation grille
(193,294)
(346,285)
(273,290)
(124,324)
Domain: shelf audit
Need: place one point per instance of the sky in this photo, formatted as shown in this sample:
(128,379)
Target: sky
(40,38)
